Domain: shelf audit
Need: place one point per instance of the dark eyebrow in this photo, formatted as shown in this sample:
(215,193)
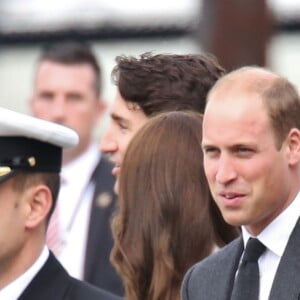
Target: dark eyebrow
(205,144)
(45,92)
(118,118)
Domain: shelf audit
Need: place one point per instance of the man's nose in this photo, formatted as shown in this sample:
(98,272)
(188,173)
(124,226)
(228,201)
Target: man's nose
(225,170)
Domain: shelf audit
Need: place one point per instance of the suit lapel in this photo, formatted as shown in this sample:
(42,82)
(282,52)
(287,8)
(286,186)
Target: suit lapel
(97,267)
(217,273)
(229,273)
(51,282)
(99,236)
(286,284)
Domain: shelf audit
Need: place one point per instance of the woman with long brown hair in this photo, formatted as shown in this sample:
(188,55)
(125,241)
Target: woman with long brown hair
(167,219)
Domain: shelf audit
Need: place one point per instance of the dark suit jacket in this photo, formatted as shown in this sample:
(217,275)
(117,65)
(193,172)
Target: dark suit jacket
(97,267)
(52,282)
(213,277)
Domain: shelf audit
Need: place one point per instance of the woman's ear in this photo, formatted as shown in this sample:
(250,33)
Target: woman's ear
(39,205)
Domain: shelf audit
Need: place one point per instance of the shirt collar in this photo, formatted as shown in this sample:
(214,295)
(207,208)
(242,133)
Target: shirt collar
(14,289)
(277,242)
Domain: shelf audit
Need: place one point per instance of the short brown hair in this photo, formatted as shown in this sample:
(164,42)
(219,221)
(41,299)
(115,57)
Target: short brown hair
(73,53)
(280,97)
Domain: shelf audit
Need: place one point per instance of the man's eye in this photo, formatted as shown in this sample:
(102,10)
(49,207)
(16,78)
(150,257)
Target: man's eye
(244,150)
(123,126)
(210,151)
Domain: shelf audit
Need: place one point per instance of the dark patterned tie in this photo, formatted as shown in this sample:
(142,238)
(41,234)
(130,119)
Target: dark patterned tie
(246,285)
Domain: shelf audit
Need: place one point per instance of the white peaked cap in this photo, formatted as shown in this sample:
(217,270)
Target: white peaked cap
(17,124)
(31,144)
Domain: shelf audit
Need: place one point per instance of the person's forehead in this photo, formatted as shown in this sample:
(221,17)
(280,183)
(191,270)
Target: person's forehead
(234,97)
(51,75)
(236,108)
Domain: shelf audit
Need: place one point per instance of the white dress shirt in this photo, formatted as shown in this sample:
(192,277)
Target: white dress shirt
(74,201)
(275,237)
(13,290)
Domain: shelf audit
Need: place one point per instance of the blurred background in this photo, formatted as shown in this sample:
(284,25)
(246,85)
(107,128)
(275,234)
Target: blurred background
(237,32)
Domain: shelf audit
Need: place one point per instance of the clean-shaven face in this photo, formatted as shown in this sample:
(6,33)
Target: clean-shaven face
(126,120)
(248,176)
(66,94)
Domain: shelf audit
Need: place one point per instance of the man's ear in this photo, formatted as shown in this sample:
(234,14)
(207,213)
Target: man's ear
(39,205)
(293,146)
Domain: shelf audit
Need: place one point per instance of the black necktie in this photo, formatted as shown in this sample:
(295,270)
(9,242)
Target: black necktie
(246,285)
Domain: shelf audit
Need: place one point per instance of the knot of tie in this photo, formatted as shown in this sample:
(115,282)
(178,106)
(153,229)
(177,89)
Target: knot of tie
(254,249)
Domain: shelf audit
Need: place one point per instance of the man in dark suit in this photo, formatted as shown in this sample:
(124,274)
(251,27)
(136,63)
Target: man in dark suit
(67,90)
(251,145)
(30,162)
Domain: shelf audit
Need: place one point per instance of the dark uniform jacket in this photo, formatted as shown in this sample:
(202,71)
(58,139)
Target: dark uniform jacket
(52,282)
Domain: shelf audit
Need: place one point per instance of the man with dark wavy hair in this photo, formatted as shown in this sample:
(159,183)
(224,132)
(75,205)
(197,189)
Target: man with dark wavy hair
(151,84)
